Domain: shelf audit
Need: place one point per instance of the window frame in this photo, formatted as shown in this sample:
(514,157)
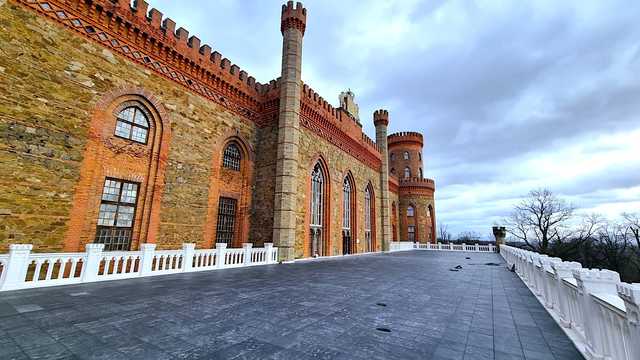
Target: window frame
(223,234)
(233,164)
(118,203)
(406,155)
(137,108)
(411,211)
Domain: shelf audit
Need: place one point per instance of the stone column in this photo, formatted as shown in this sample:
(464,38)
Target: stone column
(500,232)
(381,121)
(293,23)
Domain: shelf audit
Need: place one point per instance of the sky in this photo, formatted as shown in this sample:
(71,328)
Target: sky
(510,95)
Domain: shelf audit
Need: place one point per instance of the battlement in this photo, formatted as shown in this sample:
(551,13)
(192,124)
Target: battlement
(381,117)
(418,183)
(405,137)
(140,26)
(293,17)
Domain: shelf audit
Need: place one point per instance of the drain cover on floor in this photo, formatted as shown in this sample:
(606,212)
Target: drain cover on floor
(381,304)
(383,329)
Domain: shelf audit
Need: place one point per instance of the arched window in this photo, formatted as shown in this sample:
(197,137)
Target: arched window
(232,157)
(317,208)
(421,175)
(132,123)
(407,173)
(406,155)
(420,156)
(368,210)
(346,204)
(393,171)
(410,211)
(393,157)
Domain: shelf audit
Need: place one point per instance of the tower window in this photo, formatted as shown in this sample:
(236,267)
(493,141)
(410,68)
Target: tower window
(406,155)
(393,157)
(232,157)
(410,211)
(407,173)
(115,219)
(421,175)
(132,124)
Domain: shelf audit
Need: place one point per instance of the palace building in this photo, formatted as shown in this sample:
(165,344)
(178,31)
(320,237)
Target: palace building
(118,128)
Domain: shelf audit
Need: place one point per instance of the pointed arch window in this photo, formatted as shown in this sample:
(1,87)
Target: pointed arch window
(132,123)
(407,173)
(410,211)
(405,155)
(368,208)
(317,209)
(346,204)
(393,157)
(232,157)
(421,175)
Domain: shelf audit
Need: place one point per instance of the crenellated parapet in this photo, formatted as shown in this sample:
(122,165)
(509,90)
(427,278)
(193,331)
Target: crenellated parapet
(293,17)
(381,117)
(143,36)
(415,185)
(406,138)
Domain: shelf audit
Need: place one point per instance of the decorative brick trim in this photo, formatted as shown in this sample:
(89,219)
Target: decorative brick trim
(152,42)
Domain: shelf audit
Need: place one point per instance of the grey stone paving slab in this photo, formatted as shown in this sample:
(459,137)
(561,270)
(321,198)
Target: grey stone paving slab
(328,309)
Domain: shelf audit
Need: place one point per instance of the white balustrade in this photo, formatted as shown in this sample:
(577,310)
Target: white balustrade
(599,312)
(21,269)
(407,245)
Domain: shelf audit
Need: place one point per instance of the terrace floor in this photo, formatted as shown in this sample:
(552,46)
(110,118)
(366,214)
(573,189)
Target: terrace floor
(325,309)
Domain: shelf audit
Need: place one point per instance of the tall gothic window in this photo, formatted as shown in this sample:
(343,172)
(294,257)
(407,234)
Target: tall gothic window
(346,204)
(367,219)
(232,157)
(405,155)
(411,233)
(410,211)
(132,124)
(317,208)
(407,173)
(115,219)
(226,220)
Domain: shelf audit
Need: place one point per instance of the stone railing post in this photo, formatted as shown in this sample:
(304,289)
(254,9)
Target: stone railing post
(630,293)
(477,247)
(563,270)
(464,247)
(93,257)
(247,253)
(188,250)
(439,246)
(416,245)
(146,259)
(268,248)
(592,281)
(221,250)
(548,279)
(16,269)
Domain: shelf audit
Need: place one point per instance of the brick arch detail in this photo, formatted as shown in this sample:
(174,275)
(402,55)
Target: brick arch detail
(227,183)
(105,155)
(326,216)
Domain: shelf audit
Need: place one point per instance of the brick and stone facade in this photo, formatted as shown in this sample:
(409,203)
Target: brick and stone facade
(69,69)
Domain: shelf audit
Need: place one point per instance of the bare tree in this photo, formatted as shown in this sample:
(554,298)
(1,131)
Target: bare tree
(632,225)
(443,232)
(539,219)
(469,236)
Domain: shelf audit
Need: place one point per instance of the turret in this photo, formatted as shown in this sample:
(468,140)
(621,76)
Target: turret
(405,155)
(381,121)
(292,25)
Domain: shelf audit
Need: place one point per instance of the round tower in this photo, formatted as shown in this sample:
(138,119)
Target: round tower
(292,25)
(405,155)
(381,121)
(415,193)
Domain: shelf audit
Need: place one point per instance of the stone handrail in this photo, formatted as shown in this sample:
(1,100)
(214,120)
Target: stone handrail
(599,312)
(408,245)
(21,269)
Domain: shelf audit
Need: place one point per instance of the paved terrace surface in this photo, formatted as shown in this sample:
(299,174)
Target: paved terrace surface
(315,310)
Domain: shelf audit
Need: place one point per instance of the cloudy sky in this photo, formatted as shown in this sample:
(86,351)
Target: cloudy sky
(510,96)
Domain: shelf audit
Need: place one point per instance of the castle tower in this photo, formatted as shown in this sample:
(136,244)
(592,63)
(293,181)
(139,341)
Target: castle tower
(381,121)
(416,194)
(292,25)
